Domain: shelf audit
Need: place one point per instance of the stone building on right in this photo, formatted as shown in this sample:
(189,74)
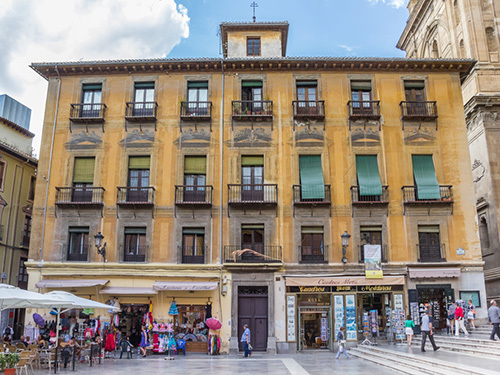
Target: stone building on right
(467,29)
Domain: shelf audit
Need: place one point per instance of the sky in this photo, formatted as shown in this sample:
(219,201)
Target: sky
(72,30)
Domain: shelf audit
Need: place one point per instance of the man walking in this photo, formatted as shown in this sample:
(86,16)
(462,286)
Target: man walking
(245,339)
(494,317)
(426,328)
(459,320)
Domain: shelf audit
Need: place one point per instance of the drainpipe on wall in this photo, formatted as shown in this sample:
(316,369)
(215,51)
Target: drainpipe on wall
(221,196)
(50,165)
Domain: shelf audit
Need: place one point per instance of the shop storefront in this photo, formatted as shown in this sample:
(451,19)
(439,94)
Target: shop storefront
(318,307)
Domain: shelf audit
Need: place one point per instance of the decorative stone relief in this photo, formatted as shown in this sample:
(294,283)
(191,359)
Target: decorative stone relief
(137,138)
(478,170)
(193,138)
(84,141)
(365,133)
(257,137)
(307,137)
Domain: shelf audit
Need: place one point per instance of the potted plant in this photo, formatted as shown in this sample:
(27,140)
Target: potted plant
(8,363)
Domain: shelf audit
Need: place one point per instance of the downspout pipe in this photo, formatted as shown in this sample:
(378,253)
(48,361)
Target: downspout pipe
(50,164)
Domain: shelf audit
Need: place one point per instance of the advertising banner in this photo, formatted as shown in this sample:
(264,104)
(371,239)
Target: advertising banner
(373,262)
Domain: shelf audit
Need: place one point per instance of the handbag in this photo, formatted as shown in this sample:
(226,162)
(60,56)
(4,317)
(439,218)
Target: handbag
(250,347)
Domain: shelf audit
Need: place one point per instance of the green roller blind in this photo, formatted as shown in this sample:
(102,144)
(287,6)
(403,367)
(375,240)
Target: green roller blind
(361,85)
(425,177)
(307,83)
(84,170)
(138,162)
(414,85)
(198,84)
(312,229)
(195,165)
(79,230)
(144,85)
(368,177)
(252,160)
(135,230)
(252,226)
(428,229)
(193,231)
(92,86)
(251,84)
(370,229)
(311,177)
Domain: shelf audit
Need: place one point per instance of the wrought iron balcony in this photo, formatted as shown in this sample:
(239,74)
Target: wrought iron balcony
(298,199)
(310,254)
(431,254)
(141,111)
(364,109)
(79,254)
(252,193)
(410,195)
(252,254)
(193,254)
(423,111)
(358,199)
(196,111)
(194,195)
(87,113)
(249,110)
(80,196)
(311,109)
(134,254)
(135,196)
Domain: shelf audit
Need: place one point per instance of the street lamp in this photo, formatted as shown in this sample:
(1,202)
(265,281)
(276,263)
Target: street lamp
(101,250)
(345,242)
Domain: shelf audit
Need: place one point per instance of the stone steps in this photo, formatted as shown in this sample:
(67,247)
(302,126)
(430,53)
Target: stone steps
(413,364)
(465,347)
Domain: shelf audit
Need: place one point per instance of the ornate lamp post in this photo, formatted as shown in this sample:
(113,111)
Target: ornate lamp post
(345,242)
(101,250)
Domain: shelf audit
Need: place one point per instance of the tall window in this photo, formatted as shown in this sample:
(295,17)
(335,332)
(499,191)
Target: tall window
(429,243)
(435,50)
(253,46)
(195,169)
(83,179)
(491,39)
(252,178)
(370,236)
(415,97)
(484,236)
(307,97)
(22,278)
(91,100)
(31,191)
(26,231)
(198,98)
(135,244)
(312,245)
(361,96)
(144,96)
(252,238)
(78,244)
(251,95)
(193,245)
(3,170)
(138,179)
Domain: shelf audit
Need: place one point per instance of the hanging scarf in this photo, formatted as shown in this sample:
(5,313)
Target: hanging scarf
(150,315)
(173,309)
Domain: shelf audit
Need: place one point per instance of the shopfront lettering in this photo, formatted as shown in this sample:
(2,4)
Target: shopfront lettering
(311,289)
(379,288)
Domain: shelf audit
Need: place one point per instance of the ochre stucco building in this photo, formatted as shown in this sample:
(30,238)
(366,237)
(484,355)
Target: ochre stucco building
(231,180)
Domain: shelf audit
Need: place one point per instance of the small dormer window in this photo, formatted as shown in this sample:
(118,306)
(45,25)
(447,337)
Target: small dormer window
(253,46)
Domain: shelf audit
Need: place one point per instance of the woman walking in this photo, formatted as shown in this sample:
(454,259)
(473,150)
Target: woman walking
(409,325)
(341,341)
(144,341)
(471,314)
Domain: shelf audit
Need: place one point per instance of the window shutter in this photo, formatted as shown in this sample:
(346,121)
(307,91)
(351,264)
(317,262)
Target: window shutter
(252,160)
(135,230)
(198,85)
(368,176)
(92,86)
(361,85)
(251,84)
(428,229)
(79,230)
(252,226)
(144,85)
(425,177)
(415,85)
(84,170)
(312,230)
(306,83)
(311,177)
(195,165)
(193,231)
(138,162)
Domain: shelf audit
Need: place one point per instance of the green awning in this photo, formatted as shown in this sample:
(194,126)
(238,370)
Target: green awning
(251,84)
(193,231)
(361,85)
(252,160)
(312,184)
(414,84)
(92,86)
(138,162)
(144,85)
(84,170)
(195,165)
(368,177)
(306,83)
(425,177)
(135,230)
(198,85)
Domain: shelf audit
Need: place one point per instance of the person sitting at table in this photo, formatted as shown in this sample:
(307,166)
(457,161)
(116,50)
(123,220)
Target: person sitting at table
(42,344)
(78,348)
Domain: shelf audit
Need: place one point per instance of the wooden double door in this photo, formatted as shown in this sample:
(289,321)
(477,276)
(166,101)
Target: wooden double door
(253,310)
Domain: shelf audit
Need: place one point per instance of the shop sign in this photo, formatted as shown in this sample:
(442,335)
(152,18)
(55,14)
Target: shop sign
(379,288)
(290,314)
(309,289)
(373,261)
(343,281)
(343,288)
(460,251)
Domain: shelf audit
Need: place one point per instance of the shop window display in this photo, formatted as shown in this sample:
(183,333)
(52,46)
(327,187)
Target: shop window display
(190,327)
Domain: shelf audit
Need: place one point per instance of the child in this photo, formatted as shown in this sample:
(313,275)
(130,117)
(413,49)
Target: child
(409,328)
(126,347)
(341,342)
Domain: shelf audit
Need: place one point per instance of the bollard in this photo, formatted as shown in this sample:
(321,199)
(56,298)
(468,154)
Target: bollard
(74,358)
(55,359)
(91,355)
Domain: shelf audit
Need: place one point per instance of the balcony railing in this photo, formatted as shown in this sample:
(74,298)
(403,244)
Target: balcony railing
(141,111)
(310,254)
(193,194)
(410,195)
(369,199)
(193,254)
(252,254)
(87,113)
(196,111)
(424,111)
(252,193)
(135,195)
(314,109)
(134,254)
(364,109)
(79,254)
(298,199)
(82,196)
(428,254)
(25,241)
(252,110)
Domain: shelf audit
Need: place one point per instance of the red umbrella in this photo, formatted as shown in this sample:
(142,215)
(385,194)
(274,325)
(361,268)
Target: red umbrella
(213,323)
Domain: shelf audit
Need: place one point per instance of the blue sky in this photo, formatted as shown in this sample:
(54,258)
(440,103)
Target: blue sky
(317,27)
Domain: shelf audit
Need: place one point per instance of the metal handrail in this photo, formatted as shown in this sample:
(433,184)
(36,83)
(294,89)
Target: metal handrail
(252,254)
(252,193)
(80,195)
(410,195)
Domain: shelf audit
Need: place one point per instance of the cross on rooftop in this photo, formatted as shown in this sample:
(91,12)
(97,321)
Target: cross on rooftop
(254,5)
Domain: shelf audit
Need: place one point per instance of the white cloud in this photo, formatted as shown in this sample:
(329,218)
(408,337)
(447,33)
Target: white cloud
(392,3)
(347,48)
(62,30)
